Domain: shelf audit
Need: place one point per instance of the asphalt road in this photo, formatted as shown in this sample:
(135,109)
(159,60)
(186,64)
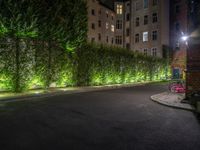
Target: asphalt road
(121,119)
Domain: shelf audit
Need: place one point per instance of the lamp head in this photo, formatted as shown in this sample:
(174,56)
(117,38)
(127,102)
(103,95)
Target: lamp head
(184,38)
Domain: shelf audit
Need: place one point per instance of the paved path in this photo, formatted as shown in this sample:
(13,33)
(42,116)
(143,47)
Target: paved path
(172,100)
(121,119)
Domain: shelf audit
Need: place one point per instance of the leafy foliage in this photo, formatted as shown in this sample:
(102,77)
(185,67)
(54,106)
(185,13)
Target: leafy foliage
(42,46)
(101,65)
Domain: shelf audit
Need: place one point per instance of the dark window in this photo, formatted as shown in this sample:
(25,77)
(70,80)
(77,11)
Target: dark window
(128,17)
(127,45)
(154,35)
(127,32)
(99,36)
(92,40)
(154,51)
(146,3)
(99,22)
(145,51)
(137,7)
(145,20)
(155,2)
(119,24)
(154,17)
(93,26)
(177,26)
(177,46)
(137,38)
(137,22)
(107,14)
(177,9)
(118,40)
(93,12)
(99,11)
(107,39)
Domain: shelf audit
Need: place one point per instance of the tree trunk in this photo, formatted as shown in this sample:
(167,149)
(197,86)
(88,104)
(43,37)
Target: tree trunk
(17,69)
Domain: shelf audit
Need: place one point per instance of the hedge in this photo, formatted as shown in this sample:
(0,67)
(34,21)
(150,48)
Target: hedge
(36,64)
(102,65)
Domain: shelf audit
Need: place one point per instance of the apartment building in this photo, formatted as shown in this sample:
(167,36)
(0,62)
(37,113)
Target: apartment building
(138,25)
(143,25)
(101,22)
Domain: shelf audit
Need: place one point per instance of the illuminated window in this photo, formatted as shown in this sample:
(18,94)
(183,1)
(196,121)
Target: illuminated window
(112,28)
(119,9)
(145,37)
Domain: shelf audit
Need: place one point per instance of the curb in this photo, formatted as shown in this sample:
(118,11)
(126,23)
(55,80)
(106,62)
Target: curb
(67,92)
(155,99)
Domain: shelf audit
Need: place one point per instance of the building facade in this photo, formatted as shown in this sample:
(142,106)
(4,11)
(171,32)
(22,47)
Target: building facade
(143,25)
(101,23)
(193,51)
(178,29)
(138,25)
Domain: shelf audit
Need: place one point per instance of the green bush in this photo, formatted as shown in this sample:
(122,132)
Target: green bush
(101,65)
(41,65)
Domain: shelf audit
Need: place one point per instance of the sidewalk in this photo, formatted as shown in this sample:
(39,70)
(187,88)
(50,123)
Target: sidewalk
(172,100)
(12,97)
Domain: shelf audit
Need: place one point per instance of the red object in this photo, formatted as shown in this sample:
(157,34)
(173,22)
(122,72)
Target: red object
(177,88)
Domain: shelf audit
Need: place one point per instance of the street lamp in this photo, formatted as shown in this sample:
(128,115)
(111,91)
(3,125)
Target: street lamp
(185,39)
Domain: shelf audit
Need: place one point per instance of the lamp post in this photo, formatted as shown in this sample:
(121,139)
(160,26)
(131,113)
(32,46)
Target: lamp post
(185,39)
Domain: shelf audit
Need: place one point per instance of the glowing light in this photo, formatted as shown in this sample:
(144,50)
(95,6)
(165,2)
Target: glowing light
(184,38)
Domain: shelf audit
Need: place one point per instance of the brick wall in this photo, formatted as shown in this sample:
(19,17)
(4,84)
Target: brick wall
(193,82)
